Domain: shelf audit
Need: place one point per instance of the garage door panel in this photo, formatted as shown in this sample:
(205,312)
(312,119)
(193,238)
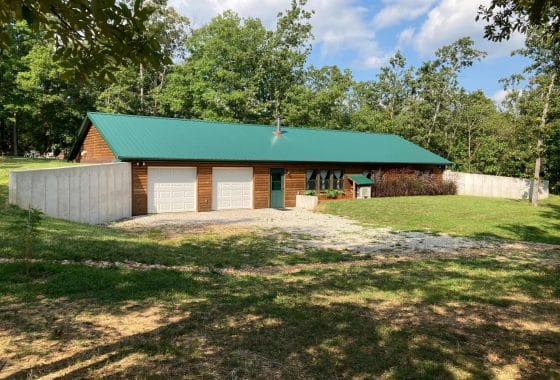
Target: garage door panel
(171,189)
(232,188)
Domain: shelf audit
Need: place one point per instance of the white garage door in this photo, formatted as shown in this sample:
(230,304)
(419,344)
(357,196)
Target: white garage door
(171,189)
(232,188)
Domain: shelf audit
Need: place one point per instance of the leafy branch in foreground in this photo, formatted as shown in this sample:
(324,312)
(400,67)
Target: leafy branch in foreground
(91,37)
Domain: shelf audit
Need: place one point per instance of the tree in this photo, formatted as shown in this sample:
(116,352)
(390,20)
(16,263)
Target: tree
(237,70)
(436,87)
(394,85)
(506,17)
(91,37)
(54,105)
(473,127)
(287,50)
(537,101)
(221,70)
(321,101)
(135,87)
(12,101)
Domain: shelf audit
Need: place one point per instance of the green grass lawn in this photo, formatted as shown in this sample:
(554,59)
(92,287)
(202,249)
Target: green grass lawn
(458,215)
(488,314)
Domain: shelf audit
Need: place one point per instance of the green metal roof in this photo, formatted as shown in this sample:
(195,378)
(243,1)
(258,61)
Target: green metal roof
(359,179)
(156,138)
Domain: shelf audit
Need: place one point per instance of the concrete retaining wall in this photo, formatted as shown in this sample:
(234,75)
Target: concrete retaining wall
(85,193)
(494,186)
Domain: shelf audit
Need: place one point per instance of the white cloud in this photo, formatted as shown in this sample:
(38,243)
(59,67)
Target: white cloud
(341,26)
(452,19)
(396,11)
(500,95)
(338,25)
(406,36)
(200,12)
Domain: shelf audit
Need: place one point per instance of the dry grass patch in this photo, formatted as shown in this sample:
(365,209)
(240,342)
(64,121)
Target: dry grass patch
(446,317)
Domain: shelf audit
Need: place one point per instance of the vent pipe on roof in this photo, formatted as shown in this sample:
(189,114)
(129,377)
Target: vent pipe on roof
(278,130)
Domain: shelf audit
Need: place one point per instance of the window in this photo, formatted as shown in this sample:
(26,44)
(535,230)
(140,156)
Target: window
(338,179)
(276,180)
(311,179)
(325,179)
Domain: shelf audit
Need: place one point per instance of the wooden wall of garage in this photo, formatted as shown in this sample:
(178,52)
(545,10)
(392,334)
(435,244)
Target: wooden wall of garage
(294,180)
(94,149)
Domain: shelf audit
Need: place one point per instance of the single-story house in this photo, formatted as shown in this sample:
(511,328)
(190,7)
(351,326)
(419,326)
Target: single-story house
(193,165)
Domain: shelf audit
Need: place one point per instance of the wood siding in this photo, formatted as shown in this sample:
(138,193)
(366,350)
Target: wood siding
(294,180)
(139,189)
(94,149)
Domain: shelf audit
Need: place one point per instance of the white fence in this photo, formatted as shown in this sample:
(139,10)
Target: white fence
(84,193)
(495,186)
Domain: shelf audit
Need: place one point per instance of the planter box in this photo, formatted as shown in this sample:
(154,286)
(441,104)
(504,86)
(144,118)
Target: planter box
(308,202)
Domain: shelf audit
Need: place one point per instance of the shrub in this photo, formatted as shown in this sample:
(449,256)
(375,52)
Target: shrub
(309,192)
(403,185)
(332,194)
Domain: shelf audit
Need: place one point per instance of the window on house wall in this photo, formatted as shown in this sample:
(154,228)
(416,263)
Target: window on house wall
(338,179)
(311,179)
(325,179)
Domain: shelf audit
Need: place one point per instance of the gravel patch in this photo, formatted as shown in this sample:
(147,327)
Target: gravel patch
(303,229)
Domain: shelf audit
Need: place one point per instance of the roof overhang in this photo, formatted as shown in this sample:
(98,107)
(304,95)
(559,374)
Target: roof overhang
(360,180)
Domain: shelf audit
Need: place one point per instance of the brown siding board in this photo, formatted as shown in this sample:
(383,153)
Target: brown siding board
(139,189)
(261,186)
(294,183)
(94,149)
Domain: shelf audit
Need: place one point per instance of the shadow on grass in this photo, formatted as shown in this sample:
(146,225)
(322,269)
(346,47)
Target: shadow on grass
(61,240)
(549,234)
(442,318)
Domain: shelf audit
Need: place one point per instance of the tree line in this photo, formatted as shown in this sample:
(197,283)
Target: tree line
(235,69)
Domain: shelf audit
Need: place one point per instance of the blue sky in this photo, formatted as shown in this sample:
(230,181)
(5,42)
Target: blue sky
(362,35)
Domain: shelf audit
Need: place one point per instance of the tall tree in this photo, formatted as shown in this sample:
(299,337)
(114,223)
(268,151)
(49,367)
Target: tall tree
(54,105)
(20,41)
(136,86)
(436,87)
(287,49)
(238,70)
(321,101)
(543,73)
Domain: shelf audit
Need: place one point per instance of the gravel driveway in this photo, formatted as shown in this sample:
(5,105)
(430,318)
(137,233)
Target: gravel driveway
(304,229)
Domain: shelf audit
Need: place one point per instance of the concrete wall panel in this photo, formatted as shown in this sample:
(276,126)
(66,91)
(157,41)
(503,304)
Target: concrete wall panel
(85,193)
(494,186)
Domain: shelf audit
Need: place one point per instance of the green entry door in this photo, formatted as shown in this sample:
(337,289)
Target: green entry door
(276,188)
